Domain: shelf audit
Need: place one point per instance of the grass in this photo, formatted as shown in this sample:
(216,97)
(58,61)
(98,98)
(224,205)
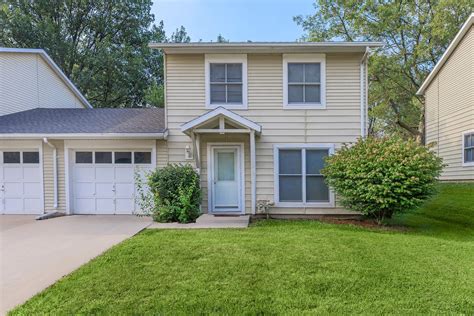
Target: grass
(284,267)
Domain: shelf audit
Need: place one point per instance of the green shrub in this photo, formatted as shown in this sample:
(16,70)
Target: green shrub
(177,193)
(383,176)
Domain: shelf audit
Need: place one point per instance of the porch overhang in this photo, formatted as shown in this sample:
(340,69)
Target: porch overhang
(239,123)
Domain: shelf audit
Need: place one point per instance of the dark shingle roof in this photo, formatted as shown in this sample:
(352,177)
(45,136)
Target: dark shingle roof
(83,121)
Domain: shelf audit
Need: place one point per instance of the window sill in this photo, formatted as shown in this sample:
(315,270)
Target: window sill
(227,106)
(468,164)
(303,106)
(305,205)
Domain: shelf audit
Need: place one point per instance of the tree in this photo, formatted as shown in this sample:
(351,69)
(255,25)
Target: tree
(180,36)
(415,34)
(101,45)
(221,39)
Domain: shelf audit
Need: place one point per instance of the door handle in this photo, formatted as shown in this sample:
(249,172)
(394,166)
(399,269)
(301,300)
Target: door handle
(2,187)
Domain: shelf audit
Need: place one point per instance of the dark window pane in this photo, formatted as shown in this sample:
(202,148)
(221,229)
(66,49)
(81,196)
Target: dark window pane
(295,94)
(30,157)
(234,72)
(11,157)
(218,93)
(312,73)
(295,72)
(83,157)
(316,189)
(103,157)
(469,140)
(312,94)
(315,160)
(290,189)
(123,157)
(289,161)
(217,72)
(234,93)
(142,157)
(469,155)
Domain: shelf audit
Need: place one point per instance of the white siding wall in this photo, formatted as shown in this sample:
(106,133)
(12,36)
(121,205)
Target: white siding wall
(28,82)
(450,109)
(338,123)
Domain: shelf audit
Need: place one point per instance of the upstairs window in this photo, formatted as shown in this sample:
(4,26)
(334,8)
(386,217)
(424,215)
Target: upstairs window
(304,77)
(226,81)
(468,148)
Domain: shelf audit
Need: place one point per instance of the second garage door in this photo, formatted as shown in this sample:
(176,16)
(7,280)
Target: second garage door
(104,181)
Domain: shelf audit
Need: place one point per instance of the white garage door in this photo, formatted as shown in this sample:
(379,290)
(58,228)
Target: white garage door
(104,181)
(20,182)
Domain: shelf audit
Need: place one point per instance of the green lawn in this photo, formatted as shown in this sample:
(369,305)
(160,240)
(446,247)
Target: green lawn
(288,267)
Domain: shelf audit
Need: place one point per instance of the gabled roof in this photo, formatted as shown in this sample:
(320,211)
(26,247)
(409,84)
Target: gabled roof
(218,112)
(265,47)
(53,66)
(444,58)
(75,123)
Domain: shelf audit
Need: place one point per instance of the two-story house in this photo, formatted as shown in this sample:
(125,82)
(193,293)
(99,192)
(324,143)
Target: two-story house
(256,120)
(449,106)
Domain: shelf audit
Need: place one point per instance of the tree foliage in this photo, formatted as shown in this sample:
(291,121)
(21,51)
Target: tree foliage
(101,45)
(415,34)
(383,176)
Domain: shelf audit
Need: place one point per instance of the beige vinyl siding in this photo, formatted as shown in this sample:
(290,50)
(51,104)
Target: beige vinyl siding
(450,109)
(338,123)
(28,82)
(161,153)
(48,177)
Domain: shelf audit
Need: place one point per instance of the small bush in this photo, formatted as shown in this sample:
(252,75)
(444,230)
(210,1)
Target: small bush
(177,193)
(383,176)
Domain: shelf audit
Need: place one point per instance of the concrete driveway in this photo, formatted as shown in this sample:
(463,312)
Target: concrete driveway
(35,254)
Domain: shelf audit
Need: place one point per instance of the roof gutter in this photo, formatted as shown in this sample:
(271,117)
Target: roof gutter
(364,93)
(55,171)
(163,135)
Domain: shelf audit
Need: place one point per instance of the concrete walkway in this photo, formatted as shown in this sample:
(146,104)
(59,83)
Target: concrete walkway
(35,254)
(208,221)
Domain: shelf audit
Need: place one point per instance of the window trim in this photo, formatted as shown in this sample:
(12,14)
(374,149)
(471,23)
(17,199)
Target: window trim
(276,184)
(231,59)
(464,163)
(304,58)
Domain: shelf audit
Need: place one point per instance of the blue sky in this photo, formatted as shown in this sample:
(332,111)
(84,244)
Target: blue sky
(237,20)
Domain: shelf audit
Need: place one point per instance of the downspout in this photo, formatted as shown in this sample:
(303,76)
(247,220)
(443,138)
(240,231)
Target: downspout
(363,92)
(55,171)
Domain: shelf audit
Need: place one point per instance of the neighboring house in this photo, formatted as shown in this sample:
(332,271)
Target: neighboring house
(449,106)
(255,119)
(58,154)
(30,79)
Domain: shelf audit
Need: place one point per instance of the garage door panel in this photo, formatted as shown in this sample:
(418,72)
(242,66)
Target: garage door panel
(13,173)
(105,206)
(124,189)
(32,174)
(104,174)
(84,206)
(104,190)
(14,205)
(32,189)
(124,174)
(32,205)
(124,206)
(13,189)
(84,174)
(84,189)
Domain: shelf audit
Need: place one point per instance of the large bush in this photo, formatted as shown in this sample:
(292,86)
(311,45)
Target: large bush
(382,176)
(176,192)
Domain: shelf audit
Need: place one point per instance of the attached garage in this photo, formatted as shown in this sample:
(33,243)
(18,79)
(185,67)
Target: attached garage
(91,159)
(21,181)
(103,180)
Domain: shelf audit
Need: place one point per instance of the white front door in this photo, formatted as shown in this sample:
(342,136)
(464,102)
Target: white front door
(226,179)
(20,182)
